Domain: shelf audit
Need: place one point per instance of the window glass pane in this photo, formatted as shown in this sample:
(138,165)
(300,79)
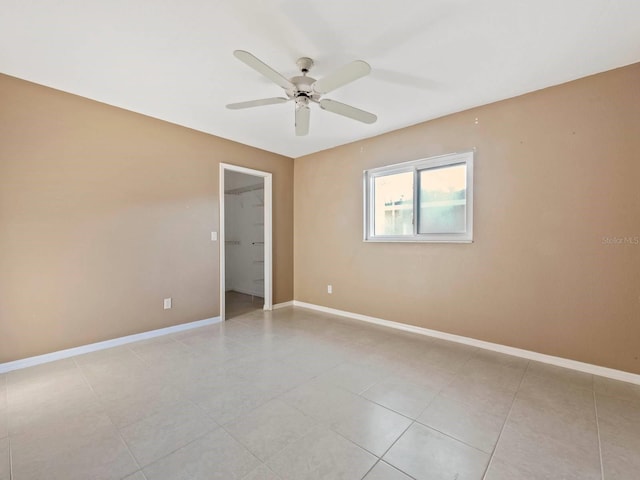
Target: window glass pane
(393,204)
(443,199)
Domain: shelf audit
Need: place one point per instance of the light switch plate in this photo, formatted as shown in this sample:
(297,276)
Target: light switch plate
(214,236)
(167,303)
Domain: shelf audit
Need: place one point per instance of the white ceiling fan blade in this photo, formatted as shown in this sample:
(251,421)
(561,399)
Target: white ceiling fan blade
(347,111)
(302,121)
(263,68)
(257,103)
(342,76)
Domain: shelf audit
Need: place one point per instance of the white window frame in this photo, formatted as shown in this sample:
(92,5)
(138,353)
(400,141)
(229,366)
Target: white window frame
(416,166)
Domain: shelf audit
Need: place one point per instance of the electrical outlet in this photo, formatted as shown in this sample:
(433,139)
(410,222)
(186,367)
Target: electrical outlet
(329,289)
(167,303)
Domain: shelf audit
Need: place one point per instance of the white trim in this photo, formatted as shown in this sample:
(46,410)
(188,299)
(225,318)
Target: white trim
(496,347)
(94,347)
(282,305)
(416,167)
(268,232)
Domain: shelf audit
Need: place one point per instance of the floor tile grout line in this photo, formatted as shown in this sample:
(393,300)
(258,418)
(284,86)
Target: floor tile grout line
(595,406)
(391,446)
(119,433)
(323,424)
(11,474)
(378,460)
(247,448)
(413,421)
(180,448)
(506,420)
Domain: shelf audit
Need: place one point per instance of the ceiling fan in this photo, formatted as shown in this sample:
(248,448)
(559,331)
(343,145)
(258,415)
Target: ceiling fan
(305,90)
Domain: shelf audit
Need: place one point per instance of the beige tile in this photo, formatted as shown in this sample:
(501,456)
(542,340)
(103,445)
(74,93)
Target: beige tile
(160,352)
(572,455)
(90,448)
(270,375)
(426,454)
(367,424)
(38,384)
(216,456)
(427,375)
(477,393)
(136,476)
(615,388)
(215,347)
(563,375)
(353,377)
(488,357)
(4,422)
(447,355)
(101,356)
(319,400)
(270,428)
(370,426)
(384,471)
(110,375)
(112,365)
(199,377)
(36,403)
(261,473)
(165,431)
(619,422)
(136,402)
(502,372)
(42,375)
(499,470)
(322,454)
(226,402)
(561,411)
(5,466)
(403,396)
(474,425)
(4,430)
(314,359)
(3,391)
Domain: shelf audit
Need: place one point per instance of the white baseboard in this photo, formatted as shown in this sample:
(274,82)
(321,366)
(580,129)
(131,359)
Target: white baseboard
(282,305)
(496,347)
(93,347)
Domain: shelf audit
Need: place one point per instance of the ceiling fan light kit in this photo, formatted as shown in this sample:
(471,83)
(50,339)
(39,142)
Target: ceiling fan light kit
(304,90)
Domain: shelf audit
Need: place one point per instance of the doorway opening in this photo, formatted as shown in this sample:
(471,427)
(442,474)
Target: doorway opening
(245,241)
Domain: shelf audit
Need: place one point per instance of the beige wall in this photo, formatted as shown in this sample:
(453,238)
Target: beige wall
(555,172)
(103,213)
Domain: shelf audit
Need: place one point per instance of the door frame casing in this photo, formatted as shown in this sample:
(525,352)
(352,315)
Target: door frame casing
(268,234)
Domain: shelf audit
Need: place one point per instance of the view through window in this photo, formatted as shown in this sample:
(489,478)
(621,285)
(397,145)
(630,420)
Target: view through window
(423,200)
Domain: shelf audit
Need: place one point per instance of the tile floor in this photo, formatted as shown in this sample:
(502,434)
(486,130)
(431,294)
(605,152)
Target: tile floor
(294,394)
(237,303)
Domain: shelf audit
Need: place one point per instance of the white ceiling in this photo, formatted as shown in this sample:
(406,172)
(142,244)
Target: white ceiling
(172,59)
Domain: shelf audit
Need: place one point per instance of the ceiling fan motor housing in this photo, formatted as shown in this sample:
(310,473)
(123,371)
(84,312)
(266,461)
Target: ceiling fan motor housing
(302,88)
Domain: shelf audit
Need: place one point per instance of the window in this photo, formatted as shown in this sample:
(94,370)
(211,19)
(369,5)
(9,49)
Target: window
(428,200)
